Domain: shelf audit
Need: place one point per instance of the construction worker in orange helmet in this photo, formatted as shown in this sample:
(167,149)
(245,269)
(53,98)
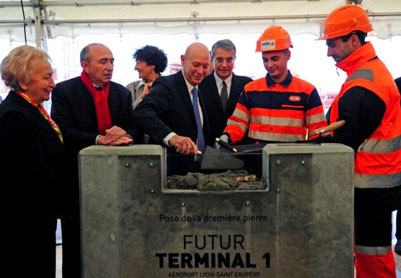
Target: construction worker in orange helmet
(369,103)
(278,107)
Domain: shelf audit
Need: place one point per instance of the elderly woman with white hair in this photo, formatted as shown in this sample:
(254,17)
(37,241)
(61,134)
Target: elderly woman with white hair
(32,167)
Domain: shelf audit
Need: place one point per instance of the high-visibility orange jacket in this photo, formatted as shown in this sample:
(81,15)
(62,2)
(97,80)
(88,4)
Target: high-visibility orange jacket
(378,159)
(282,112)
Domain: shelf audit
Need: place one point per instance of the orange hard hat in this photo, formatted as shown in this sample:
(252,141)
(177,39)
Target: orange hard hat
(273,38)
(343,21)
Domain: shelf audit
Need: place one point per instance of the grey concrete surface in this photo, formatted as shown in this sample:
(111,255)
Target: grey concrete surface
(300,227)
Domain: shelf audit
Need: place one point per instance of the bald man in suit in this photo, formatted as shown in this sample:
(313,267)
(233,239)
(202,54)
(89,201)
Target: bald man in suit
(174,115)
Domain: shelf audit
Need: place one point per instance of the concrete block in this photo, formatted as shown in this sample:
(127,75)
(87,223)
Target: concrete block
(301,225)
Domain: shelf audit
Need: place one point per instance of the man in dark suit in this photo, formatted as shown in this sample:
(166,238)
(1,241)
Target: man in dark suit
(173,113)
(90,110)
(222,88)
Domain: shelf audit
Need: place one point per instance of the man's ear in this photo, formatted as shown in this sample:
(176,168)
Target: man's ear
(355,41)
(85,66)
(288,55)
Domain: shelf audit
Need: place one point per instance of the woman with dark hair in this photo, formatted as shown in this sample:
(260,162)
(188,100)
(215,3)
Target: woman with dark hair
(150,63)
(31,164)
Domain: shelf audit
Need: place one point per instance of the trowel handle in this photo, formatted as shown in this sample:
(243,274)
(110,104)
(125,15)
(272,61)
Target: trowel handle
(226,145)
(333,126)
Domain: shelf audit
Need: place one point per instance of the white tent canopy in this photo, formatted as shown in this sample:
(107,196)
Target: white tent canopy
(74,17)
(64,27)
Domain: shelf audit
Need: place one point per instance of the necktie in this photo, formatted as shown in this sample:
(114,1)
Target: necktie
(224,96)
(201,139)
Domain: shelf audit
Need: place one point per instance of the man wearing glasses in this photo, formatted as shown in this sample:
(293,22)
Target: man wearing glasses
(222,87)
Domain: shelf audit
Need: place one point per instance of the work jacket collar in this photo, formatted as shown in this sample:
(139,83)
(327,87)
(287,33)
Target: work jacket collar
(286,82)
(357,58)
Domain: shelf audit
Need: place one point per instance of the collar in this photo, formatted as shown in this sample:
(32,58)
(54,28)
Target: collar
(286,82)
(97,87)
(357,58)
(219,81)
(189,85)
(27,98)
(141,83)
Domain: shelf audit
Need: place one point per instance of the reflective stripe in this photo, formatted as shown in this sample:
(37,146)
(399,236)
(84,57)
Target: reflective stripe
(240,114)
(315,119)
(369,250)
(268,136)
(277,121)
(274,113)
(241,125)
(377,181)
(381,146)
(378,159)
(313,133)
(361,74)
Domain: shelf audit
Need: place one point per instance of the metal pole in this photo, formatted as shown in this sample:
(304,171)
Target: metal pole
(189,19)
(40,39)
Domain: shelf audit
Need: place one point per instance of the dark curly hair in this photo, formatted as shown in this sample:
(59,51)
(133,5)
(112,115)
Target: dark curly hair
(153,56)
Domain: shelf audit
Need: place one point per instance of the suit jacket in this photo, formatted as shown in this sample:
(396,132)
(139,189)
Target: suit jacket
(32,183)
(168,108)
(136,91)
(73,109)
(214,108)
(29,145)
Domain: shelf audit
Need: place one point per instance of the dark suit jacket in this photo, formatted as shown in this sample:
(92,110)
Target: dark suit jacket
(218,117)
(168,108)
(32,184)
(74,111)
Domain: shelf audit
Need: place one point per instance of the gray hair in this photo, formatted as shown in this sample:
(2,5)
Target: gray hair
(16,66)
(84,56)
(226,44)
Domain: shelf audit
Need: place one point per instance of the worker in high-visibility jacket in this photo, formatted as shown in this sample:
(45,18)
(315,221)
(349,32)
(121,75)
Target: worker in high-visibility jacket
(278,107)
(370,105)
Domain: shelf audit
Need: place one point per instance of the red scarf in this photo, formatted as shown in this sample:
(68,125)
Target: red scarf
(101,103)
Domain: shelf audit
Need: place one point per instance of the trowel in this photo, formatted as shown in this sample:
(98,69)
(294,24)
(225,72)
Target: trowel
(216,160)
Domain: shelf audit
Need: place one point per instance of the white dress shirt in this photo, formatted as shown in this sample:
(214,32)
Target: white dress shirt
(219,83)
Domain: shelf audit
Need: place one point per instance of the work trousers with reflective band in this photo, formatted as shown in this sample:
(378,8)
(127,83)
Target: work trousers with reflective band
(373,212)
(374,266)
